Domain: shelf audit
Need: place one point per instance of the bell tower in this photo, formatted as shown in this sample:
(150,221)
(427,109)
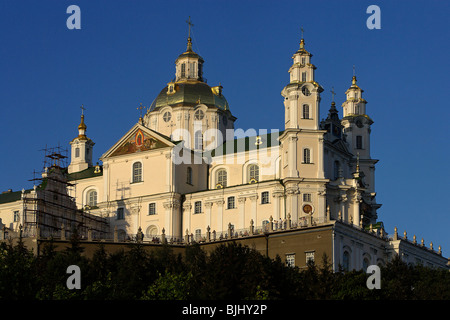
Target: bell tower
(81,148)
(302,94)
(356,122)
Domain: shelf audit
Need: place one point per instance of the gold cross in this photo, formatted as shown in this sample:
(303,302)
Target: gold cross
(140,109)
(190,25)
(302,31)
(332,93)
(82,109)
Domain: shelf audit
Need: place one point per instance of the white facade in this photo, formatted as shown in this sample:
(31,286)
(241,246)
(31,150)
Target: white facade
(319,170)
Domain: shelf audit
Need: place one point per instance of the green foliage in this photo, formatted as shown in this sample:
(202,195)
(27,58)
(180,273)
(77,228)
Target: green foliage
(230,271)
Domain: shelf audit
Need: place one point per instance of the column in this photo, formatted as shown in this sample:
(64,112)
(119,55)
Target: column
(254,199)
(292,165)
(356,216)
(220,214)
(187,206)
(208,206)
(320,162)
(292,193)
(168,172)
(321,212)
(241,202)
(277,196)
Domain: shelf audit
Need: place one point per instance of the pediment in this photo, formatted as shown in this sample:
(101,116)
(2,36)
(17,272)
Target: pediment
(138,139)
(339,144)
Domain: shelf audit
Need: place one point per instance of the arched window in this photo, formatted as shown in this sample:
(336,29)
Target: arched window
(77,152)
(189,175)
(137,172)
(183,70)
(151,232)
(198,140)
(346,261)
(306,155)
(221,178)
(91,198)
(305,111)
(366,264)
(253,173)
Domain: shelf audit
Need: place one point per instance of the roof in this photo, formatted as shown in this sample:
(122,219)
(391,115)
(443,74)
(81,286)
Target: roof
(85,174)
(10,196)
(248,144)
(190,93)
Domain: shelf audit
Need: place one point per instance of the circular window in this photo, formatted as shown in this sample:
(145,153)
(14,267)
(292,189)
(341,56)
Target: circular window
(199,115)
(307,208)
(306,91)
(167,116)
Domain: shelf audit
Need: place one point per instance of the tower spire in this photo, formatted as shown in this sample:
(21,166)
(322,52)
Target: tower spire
(190,24)
(82,126)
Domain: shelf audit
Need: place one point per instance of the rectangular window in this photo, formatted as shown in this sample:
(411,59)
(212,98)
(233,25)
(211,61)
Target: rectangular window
(309,256)
(183,70)
(231,203)
(303,76)
(77,152)
(191,69)
(307,197)
(265,197)
(290,260)
(306,155)
(358,142)
(303,60)
(152,208)
(198,207)
(120,214)
(305,111)
(16,216)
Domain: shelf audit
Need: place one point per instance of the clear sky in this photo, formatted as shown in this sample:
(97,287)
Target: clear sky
(124,54)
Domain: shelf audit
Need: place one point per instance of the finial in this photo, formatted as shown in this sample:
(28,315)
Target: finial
(354,76)
(357,162)
(140,112)
(82,126)
(332,95)
(189,45)
(302,41)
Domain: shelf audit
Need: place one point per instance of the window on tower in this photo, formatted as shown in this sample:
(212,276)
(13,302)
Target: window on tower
(303,76)
(306,155)
(358,142)
(183,70)
(305,111)
(77,152)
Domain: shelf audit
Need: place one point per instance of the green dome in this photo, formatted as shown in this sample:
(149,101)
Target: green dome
(190,94)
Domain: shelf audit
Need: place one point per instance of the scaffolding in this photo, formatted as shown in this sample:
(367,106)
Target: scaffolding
(49,210)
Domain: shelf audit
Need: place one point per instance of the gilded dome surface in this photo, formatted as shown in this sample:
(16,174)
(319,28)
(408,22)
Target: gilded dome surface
(190,94)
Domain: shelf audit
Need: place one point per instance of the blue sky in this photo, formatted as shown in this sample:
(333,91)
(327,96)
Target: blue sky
(125,51)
